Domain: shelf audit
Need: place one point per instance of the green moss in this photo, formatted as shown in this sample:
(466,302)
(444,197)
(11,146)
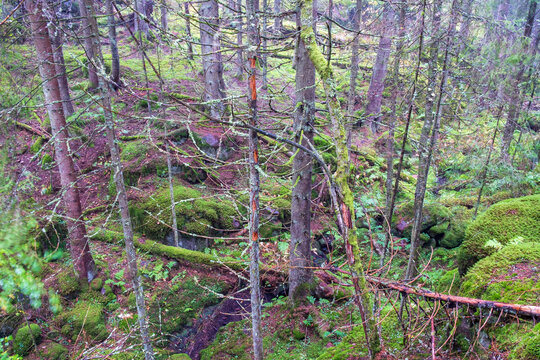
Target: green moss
(521,340)
(46,161)
(96,284)
(352,345)
(498,277)
(195,214)
(503,222)
(449,282)
(55,351)
(36,146)
(180,357)
(88,317)
(25,338)
(231,343)
(134,149)
(68,283)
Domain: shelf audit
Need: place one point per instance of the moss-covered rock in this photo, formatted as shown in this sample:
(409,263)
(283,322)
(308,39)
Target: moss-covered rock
(180,357)
(522,339)
(510,275)
(55,351)
(195,214)
(68,283)
(352,345)
(26,338)
(502,222)
(86,316)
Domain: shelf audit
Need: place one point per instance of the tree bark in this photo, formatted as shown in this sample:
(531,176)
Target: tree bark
(252,22)
(131,255)
(214,89)
(164,20)
(88,47)
(188,31)
(60,66)
(300,272)
(376,86)
(278,21)
(78,240)
(239,50)
(115,66)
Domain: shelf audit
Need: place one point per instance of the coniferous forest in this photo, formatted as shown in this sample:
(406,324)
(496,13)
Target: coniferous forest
(255,179)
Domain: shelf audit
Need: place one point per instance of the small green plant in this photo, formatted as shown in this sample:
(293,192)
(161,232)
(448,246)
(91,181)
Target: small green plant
(4,345)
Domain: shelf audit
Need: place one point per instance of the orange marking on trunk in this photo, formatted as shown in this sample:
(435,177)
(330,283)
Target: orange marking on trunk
(255,236)
(254,206)
(252,80)
(346,214)
(256,156)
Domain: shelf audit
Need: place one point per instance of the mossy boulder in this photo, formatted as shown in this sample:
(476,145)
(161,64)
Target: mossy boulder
(509,275)
(68,283)
(86,316)
(196,215)
(521,339)
(351,346)
(54,351)
(26,338)
(503,222)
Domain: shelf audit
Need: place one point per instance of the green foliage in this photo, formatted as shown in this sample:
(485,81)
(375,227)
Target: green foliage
(25,339)
(501,276)
(4,346)
(502,222)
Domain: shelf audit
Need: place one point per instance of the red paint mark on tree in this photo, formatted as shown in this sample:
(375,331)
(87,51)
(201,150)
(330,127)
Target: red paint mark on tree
(252,82)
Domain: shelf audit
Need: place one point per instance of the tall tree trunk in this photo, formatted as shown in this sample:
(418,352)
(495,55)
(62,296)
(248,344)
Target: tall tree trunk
(354,58)
(376,86)
(516,97)
(141,25)
(188,31)
(78,240)
(60,66)
(239,50)
(278,21)
(115,66)
(264,56)
(88,47)
(214,89)
(164,20)
(300,263)
(252,22)
(343,199)
(391,128)
(131,255)
(423,168)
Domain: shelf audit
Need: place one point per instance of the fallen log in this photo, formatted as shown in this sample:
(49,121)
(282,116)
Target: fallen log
(31,129)
(518,309)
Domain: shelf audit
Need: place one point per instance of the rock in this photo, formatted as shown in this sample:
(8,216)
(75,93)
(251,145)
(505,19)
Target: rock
(211,140)
(26,338)
(55,351)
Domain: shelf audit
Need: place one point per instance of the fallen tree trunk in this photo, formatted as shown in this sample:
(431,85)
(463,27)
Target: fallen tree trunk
(218,261)
(518,309)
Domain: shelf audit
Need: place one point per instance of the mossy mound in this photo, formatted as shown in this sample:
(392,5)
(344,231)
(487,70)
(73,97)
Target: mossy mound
(510,275)
(353,344)
(26,338)
(522,339)
(195,215)
(502,222)
(54,351)
(86,317)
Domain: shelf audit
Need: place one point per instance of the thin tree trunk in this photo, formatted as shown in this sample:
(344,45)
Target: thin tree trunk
(423,169)
(278,21)
(376,86)
(88,47)
(264,56)
(483,175)
(300,272)
(354,58)
(131,255)
(239,50)
(115,66)
(188,30)
(344,202)
(164,20)
(252,7)
(211,58)
(78,240)
(391,128)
